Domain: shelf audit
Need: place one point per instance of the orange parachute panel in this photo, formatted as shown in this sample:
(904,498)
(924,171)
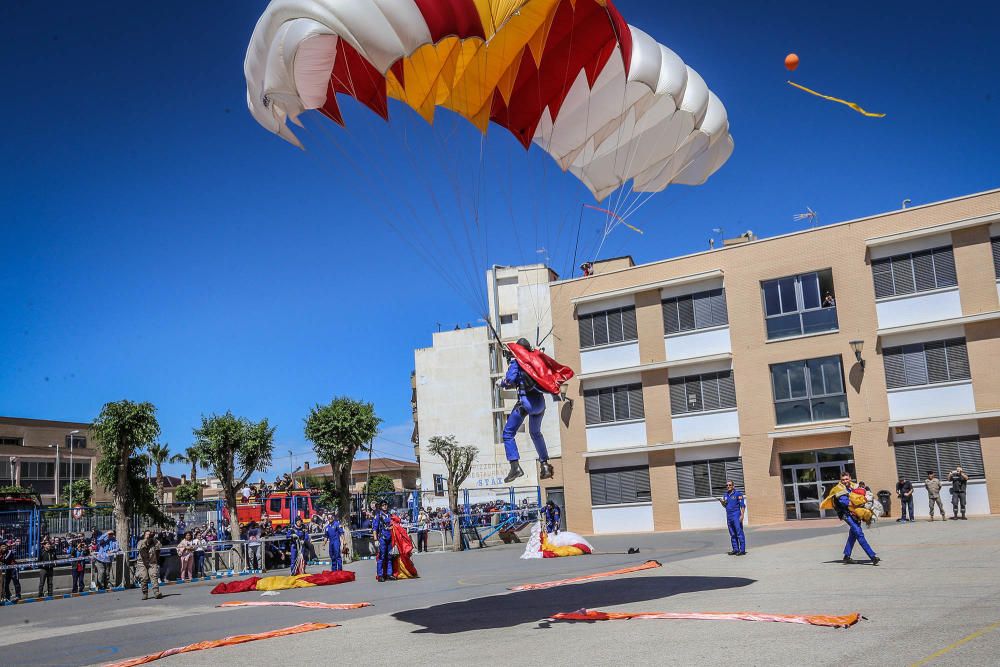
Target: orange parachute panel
(302,603)
(823,620)
(648,565)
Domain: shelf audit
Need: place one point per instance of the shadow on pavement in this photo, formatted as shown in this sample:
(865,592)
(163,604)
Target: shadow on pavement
(510,609)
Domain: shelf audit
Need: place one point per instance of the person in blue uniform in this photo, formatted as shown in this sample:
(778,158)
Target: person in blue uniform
(552,517)
(382,530)
(530,405)
(333,534)
(842,505)
(736,506)
(298,538)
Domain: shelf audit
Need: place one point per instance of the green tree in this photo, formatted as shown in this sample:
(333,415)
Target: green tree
(458,461)
(379,486)
(82,493)
(158,454)
(329,497)
(122,431)
(187,492)
(233,448)
(190,456)
(338,431)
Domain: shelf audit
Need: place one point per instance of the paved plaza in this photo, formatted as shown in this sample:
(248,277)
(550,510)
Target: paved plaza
(935,599)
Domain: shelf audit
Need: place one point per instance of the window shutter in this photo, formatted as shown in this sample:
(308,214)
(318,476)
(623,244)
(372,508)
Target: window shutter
(944,267)
(923,270)
(915,365)
(902,274)
(671,321)
(600,328)
(621,403)
(606,398)
(693,390)
(629,327)
(996,256)
(586,331)
(925,454)
(948,454)
(710,391)
(685,481)
(727,390)
(734,471)
(627,493)
(906,461)
(937,367)
(958,359)
(642,488)
(702,309)
(598,489)
(685,309)
(717,473)
(720,314)
(678,396)
(614,326)
(882,275)
(635,405)
(971,453)
(592,406)
(702,487)
(895,375)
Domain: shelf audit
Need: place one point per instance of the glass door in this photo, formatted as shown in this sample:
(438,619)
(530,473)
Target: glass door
(807,484)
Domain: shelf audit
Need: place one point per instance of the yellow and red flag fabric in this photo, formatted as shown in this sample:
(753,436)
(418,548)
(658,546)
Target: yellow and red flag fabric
(284,582)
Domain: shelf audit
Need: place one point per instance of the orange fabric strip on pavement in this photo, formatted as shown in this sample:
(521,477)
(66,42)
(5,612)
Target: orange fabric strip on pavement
(823,620)
(648,565)
(304,603)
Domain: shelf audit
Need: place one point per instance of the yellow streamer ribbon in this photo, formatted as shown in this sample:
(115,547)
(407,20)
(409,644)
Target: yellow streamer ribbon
(837,99)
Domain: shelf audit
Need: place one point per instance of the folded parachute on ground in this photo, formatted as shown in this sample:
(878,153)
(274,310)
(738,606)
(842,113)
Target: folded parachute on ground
(565,543)
(603,98)
(284,582)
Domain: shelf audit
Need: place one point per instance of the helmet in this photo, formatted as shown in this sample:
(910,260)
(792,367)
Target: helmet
(523,342)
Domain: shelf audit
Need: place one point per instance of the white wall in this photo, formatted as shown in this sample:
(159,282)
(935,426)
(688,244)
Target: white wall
(623,519)
(918,308)
(931,401)
(706,513)
(977,500)
(706,426)
(602,437)
(609,357)
(703,453)
(699,343)
(938,430)
(912,245)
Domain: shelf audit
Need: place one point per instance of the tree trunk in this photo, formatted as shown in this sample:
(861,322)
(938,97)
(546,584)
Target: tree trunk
(344,503)
(194,471)
(456,527)
(159,483)
(121,518)
(234,528)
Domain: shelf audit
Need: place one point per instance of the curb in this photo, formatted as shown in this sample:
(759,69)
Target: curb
(172,582)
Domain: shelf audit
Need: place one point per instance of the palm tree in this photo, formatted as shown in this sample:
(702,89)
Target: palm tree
(191,455)
(158,455)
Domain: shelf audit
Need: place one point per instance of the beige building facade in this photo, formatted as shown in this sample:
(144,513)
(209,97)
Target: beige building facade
(871,346)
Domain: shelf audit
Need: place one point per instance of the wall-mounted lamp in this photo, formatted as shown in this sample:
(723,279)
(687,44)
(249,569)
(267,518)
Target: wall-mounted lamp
(857,346)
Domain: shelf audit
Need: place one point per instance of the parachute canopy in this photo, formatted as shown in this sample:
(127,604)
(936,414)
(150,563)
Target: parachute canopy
(603,98)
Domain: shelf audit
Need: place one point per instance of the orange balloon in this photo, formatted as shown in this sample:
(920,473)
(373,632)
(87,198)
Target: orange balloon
(791,62)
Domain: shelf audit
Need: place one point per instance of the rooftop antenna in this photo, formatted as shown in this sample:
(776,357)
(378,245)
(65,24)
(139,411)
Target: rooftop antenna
(811,215)
(722,236)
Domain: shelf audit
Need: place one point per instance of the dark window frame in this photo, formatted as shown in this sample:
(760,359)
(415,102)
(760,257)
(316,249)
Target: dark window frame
(809,396)
(926,363)
(800,308)
(914,459)
(706,478)
(995,248)
(906,273)
(11,441)
(599,402)
(707,309)
(615,321)
(701,380)
(621,479)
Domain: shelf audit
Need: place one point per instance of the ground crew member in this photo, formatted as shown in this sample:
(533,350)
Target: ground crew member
(933,486)
(735,505)
(147,564)
(382,531)
(298,538)
(334,532)
(959,480)
(842,505)
(552,518)
(47,558)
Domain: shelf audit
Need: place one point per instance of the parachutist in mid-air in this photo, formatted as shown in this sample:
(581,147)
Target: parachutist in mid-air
(532,373)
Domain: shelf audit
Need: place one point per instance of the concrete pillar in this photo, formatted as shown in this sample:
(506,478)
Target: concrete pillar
(974,268)
(989,438)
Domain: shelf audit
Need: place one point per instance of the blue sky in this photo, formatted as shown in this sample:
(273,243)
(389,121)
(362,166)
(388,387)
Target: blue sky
(156,244)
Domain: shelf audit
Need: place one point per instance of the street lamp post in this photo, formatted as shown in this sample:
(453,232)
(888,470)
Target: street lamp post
(71,434)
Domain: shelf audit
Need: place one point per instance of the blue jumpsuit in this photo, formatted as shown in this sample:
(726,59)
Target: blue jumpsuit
(857,534)
(382,528)
(333,535)
(552,517)
(735,503)
(303,535)
(530,404)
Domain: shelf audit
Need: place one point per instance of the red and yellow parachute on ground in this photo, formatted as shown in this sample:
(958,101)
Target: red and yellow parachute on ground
(284,582)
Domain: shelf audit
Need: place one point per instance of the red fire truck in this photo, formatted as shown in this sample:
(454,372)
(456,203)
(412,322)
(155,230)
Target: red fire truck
(276,508)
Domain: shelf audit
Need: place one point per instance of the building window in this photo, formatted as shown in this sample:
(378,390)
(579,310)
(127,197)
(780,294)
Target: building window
(79,441)
(700,393)
(11,442)
(809,391)
(438,485)
(508,319)
(40,476)
(799,305)
(914,272)
(695,311)
(995,242)
(926,363)
(618,486)
(707,479)
(613,404)
(914,459)
(81,470)
(607,327)
(6,473)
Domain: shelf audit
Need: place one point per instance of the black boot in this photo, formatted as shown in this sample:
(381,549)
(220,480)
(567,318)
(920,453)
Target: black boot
(547,470)
(515,472)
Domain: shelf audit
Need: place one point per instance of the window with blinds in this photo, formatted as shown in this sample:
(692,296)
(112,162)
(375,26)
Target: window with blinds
(695,311)
(707,479)
(926,363)
(942,455)
(701,393)
(914,272)
(995,242)
(613,404)
(607,327)
(619,486)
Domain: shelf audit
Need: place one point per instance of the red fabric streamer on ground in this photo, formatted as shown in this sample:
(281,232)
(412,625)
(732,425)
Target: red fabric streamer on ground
(820,619)
(228,641)
(238,586)
(648,565)
(329,578)
(303,603)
